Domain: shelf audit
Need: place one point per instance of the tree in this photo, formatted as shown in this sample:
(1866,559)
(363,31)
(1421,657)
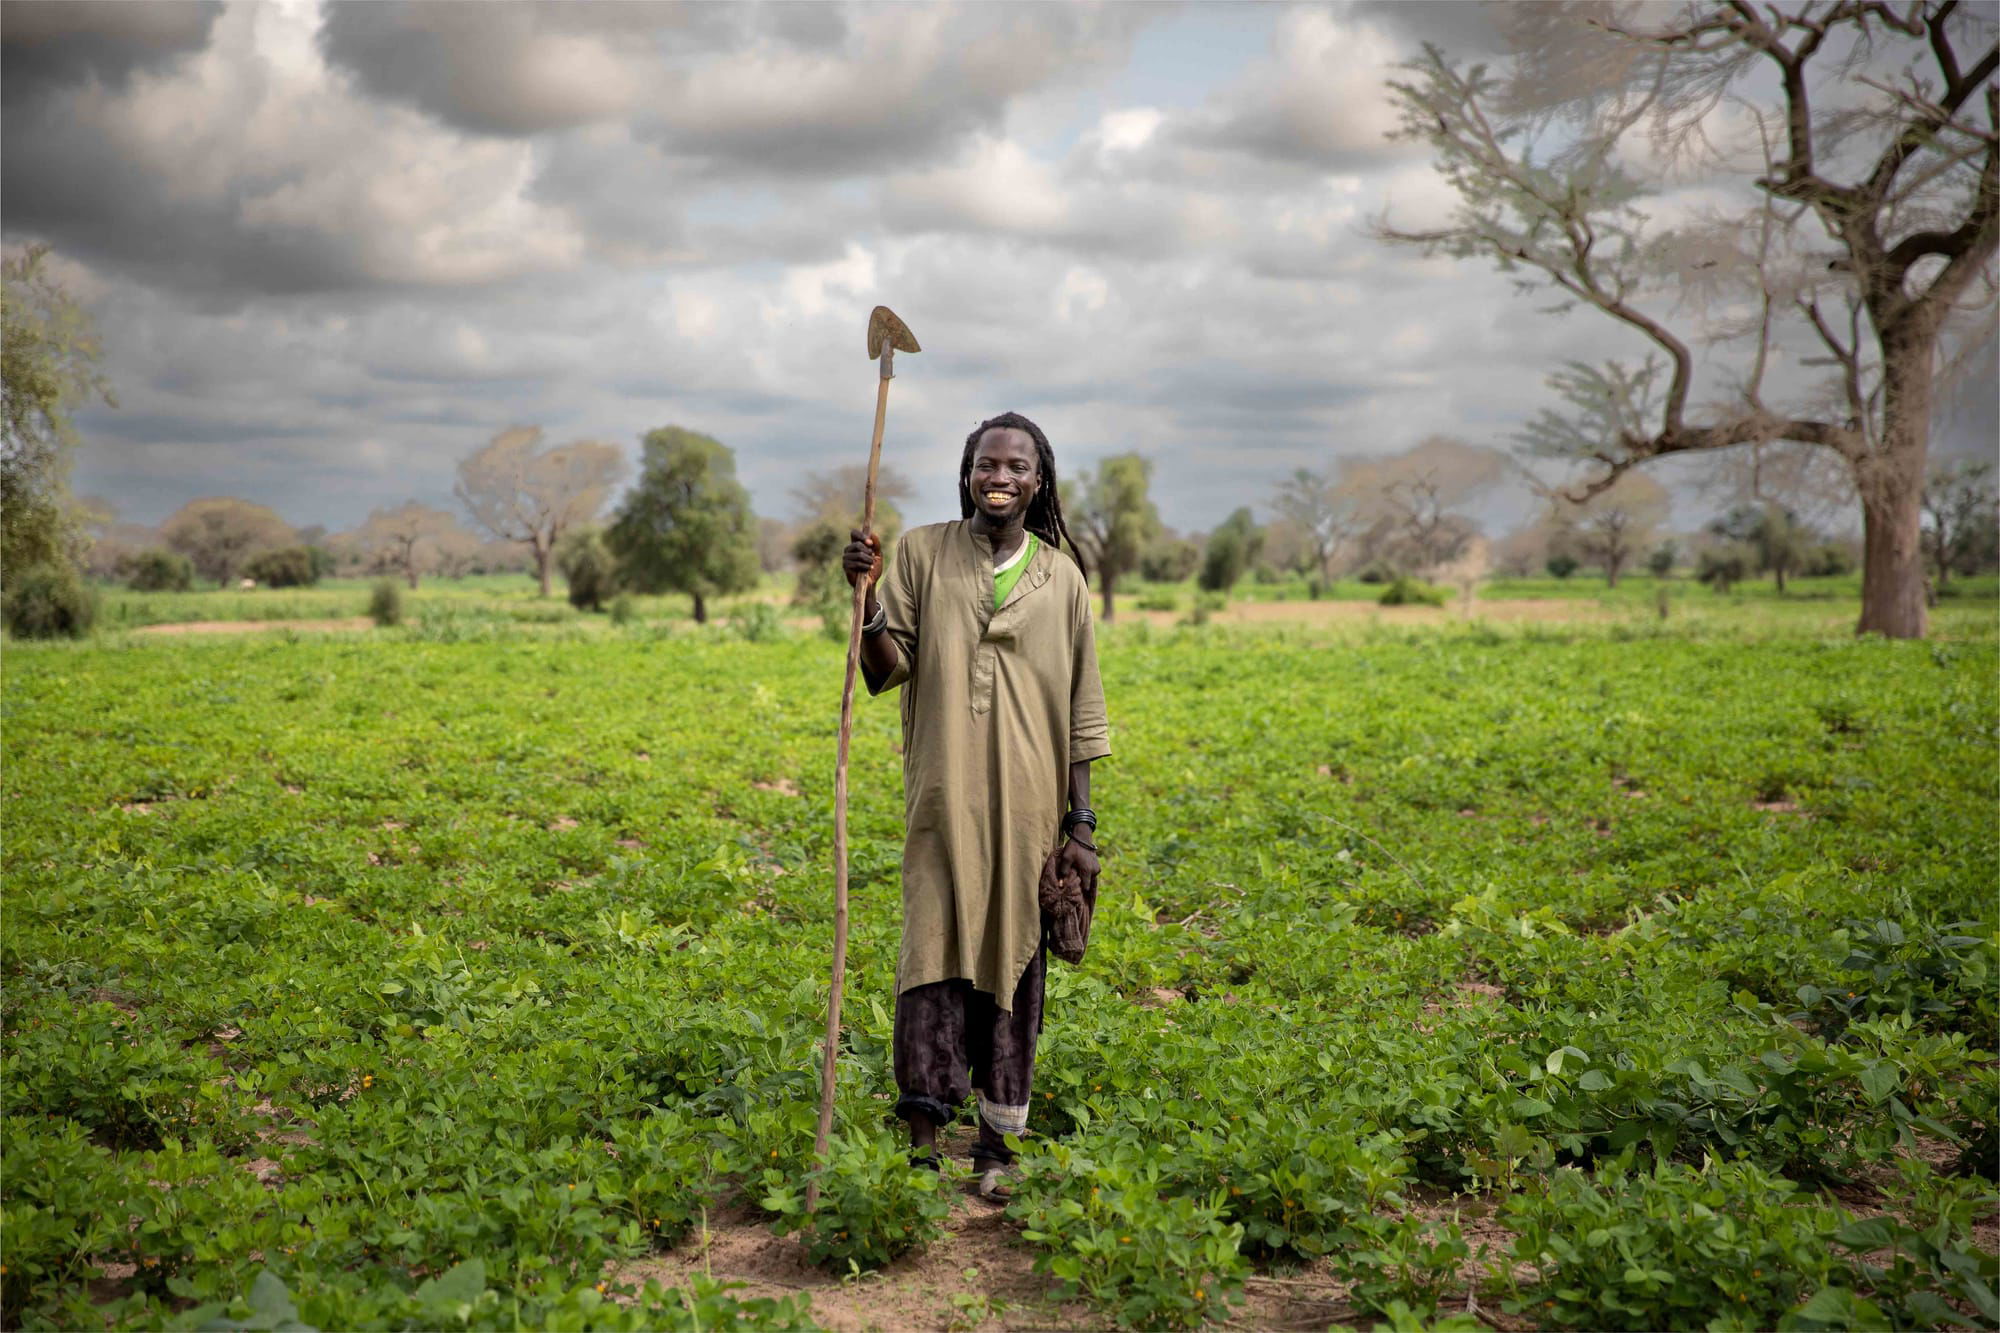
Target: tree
(1959,506)
(1170,559)
(1776,541)
(1613,524)
(49,355)
(686,526)
(1324,514)
(1232,548)
(1410,502)
(284,567)
(1867,213)
(523,493)
(159,571)
(1660,564)
(829,505)
(1114,517)
(219,533)
(406,539)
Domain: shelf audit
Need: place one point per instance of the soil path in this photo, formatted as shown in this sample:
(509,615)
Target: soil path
(1324,613)
(252,626)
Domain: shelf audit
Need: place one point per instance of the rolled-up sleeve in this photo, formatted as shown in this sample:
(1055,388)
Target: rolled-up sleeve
(1089,731)
(898,594)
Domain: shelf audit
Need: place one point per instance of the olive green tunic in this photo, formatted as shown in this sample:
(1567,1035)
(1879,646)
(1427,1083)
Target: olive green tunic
(996,706)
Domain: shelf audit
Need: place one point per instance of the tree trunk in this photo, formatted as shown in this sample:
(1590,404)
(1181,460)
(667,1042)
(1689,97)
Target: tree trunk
(1892,563)
(1892,489)
(410,573)
(700,609)
(1109,579)
(544,557)
(1613,566)
(1778,573)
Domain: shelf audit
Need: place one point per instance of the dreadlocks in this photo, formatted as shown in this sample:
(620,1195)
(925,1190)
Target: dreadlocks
(1045,515)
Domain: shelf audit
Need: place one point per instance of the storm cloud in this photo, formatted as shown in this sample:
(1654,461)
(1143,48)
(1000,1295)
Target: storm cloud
(333,247)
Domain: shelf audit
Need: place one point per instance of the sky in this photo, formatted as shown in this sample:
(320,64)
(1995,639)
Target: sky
(333,248)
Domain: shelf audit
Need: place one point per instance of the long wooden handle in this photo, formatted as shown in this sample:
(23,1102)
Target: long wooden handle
(832,1049)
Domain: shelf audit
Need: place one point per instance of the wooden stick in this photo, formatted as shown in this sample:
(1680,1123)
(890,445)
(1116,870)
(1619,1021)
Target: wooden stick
(861,586)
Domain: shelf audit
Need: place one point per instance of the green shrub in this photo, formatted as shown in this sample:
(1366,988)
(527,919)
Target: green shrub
(385,602)
(48,602)
(1377,571)
(1562,566)
(1158,601)
(1676,1248)
(1406,591)
(588,568)
(159,570)
(287,567)
(1105,1231)
(758,622)
(873,1205)
(1723,567)
(1301,1183)
(624,609)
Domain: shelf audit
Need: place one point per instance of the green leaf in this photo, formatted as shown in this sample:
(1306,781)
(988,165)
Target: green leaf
(1880,1079)
(1529,1107)
(461,1284)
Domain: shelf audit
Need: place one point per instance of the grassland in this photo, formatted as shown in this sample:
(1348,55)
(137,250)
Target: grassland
(1635,975)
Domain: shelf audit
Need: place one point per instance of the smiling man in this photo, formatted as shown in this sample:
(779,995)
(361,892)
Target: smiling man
(985,622)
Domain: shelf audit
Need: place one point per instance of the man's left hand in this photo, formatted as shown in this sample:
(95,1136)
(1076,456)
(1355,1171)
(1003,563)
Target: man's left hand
(1076,859)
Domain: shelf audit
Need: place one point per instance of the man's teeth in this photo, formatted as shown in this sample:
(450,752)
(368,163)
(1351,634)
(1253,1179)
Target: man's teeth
(997,497)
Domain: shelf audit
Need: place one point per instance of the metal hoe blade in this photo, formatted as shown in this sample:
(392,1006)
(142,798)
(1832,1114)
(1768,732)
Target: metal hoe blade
(885,330)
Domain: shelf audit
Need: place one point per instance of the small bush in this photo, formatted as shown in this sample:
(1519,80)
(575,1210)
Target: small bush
(588,569)
(159,570)
(288,567)
(623,609)
(1562,566)
(758,622)
(873,1205)
(1724,567)
(1377,571)
(1406,591)
(1158,601)
(385,602)
(48,602)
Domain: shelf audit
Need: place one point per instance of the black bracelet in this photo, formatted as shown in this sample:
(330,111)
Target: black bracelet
(1083,814)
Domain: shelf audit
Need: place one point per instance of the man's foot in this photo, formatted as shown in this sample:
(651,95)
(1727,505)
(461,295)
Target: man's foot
(996,1182)
(926,1160)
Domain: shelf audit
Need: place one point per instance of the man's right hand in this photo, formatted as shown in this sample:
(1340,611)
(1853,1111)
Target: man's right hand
(863,556)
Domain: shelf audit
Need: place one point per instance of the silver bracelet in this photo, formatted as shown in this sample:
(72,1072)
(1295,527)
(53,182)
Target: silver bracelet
(880,621)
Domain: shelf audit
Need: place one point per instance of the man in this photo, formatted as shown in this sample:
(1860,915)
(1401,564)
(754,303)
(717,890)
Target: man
(985,622)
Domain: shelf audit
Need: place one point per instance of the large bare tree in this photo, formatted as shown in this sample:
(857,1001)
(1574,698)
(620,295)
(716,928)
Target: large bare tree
(1411,503)
(1859,245)
(1324,515)
(523,493)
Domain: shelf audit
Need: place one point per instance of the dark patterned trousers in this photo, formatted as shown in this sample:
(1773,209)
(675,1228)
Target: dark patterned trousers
(953,1041)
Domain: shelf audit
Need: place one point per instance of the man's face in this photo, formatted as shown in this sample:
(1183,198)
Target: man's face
(1004,474)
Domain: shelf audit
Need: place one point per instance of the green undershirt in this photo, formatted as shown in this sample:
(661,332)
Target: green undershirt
(1005,579)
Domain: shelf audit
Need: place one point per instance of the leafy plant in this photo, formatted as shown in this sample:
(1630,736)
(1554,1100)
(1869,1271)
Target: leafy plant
(874,1206)
(1106,1231)
(1668,1249)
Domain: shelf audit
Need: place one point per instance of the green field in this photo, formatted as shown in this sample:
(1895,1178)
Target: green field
(1632,975)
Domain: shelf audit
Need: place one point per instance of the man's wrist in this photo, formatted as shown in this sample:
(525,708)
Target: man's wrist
(878,622)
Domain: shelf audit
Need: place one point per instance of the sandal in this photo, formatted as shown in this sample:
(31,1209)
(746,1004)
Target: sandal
(996,1183)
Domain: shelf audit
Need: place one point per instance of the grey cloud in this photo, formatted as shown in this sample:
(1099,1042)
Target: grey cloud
(49,43)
